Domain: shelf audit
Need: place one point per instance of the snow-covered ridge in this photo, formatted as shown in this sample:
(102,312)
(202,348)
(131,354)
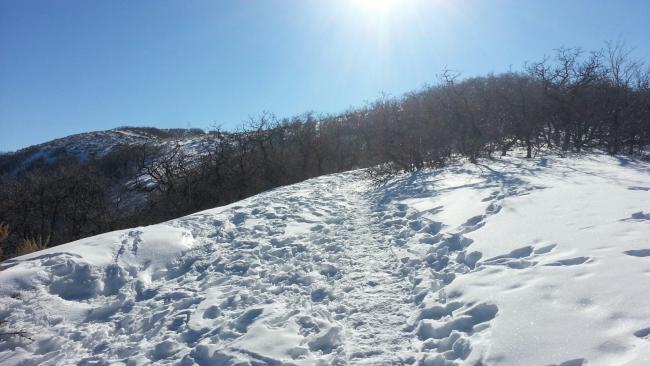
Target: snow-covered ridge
(89,145)
(507,262)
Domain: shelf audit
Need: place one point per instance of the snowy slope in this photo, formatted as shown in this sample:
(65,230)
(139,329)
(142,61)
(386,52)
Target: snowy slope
(508,262)
(98,144)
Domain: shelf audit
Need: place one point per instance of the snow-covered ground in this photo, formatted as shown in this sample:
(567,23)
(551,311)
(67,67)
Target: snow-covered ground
(507,262)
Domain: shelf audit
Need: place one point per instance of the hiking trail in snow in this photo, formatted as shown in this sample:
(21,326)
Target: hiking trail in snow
(470,265)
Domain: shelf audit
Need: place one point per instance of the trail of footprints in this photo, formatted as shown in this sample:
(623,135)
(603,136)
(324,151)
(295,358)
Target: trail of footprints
(527,256)
(345,270)
(639,253)
(441,327)
(352,278)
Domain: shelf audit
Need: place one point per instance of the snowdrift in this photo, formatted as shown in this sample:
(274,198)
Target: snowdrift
(506,262)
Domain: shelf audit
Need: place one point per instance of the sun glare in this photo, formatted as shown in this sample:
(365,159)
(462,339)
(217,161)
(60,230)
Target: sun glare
(375,6)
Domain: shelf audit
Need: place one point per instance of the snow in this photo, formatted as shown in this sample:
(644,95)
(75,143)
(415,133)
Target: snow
(506,262)
(89,145)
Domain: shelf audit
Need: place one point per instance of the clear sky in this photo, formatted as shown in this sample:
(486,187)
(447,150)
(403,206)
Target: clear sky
(70,66)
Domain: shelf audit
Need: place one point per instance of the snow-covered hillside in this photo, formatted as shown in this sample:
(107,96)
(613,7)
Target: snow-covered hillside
(507,262)
(97,144)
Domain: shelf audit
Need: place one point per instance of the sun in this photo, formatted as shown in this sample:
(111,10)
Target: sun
(375,14)
(375,7)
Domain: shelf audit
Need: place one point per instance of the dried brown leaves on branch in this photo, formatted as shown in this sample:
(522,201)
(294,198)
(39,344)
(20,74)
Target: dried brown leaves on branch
(30,245)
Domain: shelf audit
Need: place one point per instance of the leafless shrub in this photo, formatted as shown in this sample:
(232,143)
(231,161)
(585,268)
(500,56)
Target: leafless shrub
(30,245)
(4,234)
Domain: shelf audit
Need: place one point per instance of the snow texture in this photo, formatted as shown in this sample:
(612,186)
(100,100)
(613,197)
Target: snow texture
(507,262)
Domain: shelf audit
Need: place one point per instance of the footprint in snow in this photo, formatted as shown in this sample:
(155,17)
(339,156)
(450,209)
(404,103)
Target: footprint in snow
(570,261)
(545,249)
(636,188)
(239,218)
(473,224)
(638,216)
(574,362)
(523,257)
(643,333)
(516,259)
(638,252)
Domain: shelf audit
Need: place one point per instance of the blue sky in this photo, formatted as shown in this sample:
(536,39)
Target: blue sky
(73,66)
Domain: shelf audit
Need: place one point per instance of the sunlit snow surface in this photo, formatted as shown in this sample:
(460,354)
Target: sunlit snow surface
(508,262)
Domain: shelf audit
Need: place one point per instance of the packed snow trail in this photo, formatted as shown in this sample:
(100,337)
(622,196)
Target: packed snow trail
(373,286)
(507,262)
(303,274)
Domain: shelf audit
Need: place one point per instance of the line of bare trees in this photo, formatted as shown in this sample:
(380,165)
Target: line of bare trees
(572,101)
